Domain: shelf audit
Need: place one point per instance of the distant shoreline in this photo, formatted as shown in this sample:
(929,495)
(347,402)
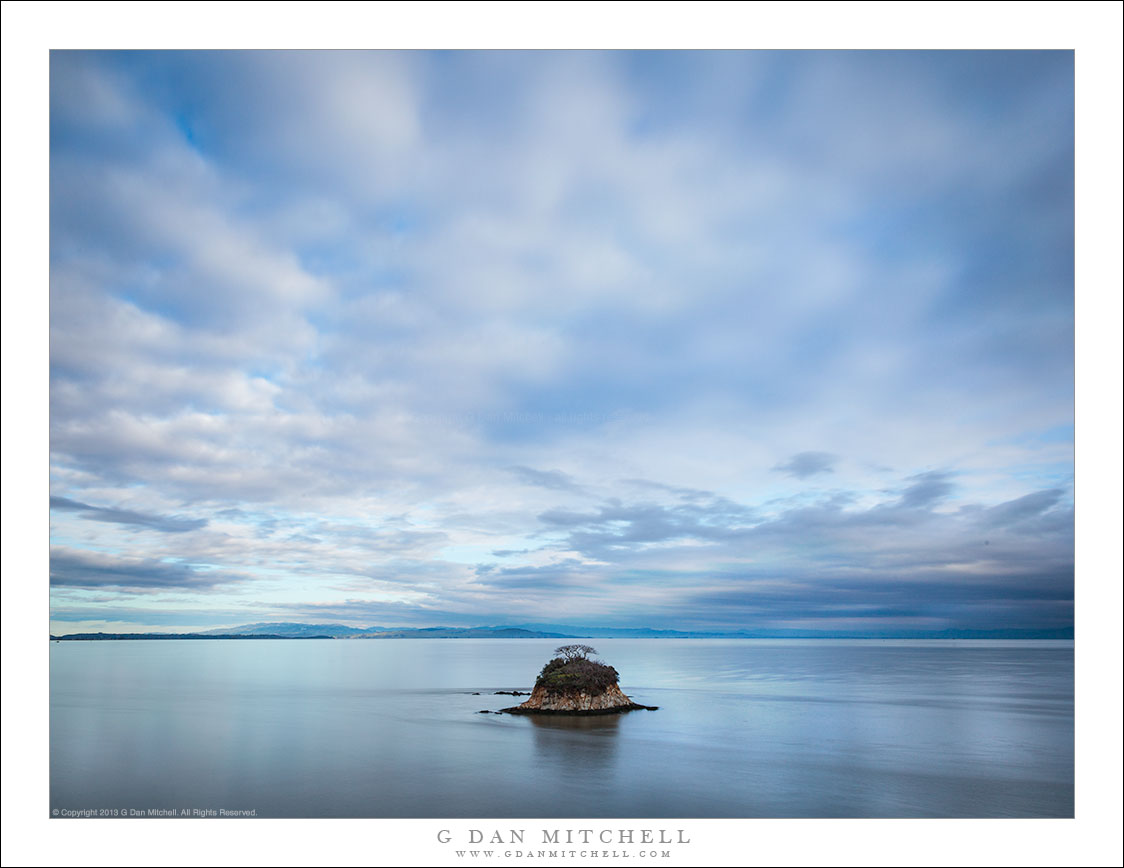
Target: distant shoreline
(134,637)
(128,637)
(297,630)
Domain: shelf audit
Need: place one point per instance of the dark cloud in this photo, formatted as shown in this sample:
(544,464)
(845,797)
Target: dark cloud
(927,489)
(1021,509)
(616,525)
(1031,601)
(805,464)
(167,524)
(81,569)
(555,480)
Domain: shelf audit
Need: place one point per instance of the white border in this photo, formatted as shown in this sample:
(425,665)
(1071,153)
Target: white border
(1092,29)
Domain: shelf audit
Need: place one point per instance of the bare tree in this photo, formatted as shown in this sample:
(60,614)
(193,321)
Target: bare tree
(575,652)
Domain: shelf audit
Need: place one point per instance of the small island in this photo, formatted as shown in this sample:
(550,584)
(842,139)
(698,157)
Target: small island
(573,684)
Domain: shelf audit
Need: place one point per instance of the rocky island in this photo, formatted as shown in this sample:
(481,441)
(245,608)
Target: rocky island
(571,683)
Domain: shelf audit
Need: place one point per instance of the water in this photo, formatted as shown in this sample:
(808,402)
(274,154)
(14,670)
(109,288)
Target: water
(388,728)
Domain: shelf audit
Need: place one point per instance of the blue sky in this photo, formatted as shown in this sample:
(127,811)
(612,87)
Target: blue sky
(701,340)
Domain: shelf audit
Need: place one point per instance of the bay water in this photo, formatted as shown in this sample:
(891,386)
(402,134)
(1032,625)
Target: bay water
(391,728)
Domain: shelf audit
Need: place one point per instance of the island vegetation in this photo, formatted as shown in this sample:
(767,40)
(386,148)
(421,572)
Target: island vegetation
(572,683)
(572,669)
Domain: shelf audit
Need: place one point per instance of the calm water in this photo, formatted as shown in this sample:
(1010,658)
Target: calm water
(388,728)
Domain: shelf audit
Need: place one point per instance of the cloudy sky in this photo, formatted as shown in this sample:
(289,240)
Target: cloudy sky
(764,341)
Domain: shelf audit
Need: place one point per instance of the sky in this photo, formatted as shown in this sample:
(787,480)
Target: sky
(780,342)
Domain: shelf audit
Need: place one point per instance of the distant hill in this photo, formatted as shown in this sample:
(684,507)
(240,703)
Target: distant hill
(505,631)
(633,632)
(462,633)
(292,631)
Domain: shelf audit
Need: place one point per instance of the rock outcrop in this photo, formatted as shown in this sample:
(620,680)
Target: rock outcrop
(571,683)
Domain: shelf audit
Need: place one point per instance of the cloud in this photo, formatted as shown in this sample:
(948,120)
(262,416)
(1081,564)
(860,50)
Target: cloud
(167,524)
(555,480)
(85,569)
(926,489)
(1041,602)
(616,525)
(895,559)
(805,464)
(281,305)
(567,574)
(1023,509)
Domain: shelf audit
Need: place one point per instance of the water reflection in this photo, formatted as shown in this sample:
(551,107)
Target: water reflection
(596,722)
(574,745)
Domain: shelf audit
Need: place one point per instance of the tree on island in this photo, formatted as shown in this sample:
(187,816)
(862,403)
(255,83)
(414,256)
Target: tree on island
(575,652)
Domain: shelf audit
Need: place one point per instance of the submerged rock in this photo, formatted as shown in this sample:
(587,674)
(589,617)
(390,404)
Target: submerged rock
(571,683)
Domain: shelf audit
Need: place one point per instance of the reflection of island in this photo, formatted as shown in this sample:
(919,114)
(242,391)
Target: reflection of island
(571,684)
(567,746)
